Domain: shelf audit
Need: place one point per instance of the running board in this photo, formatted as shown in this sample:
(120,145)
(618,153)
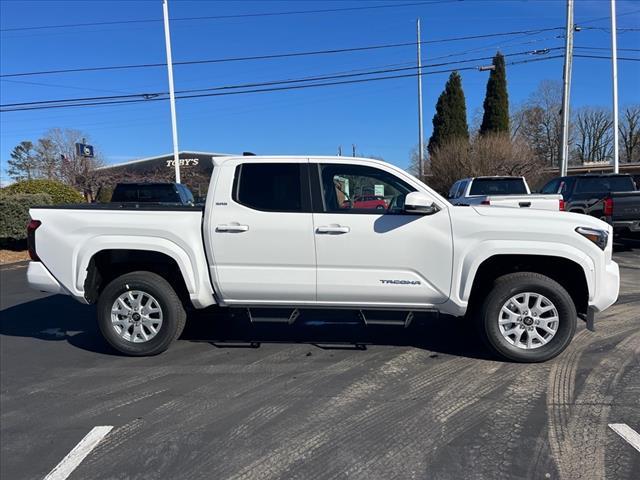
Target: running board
(386,317)
(273,315)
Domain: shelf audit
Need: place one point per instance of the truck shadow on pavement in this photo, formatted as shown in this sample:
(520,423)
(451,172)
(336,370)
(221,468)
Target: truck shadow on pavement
(59,318)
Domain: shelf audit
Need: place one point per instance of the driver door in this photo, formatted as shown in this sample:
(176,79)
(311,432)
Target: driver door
(373,253)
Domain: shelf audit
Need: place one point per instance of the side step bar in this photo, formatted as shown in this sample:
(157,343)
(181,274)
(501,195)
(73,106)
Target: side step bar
(273,315)
(383,317)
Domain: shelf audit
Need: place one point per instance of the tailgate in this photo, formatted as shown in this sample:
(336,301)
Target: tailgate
(626,206)
(535,202)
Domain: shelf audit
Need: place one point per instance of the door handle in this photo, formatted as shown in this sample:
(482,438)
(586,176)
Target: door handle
(232,228)
(333,230)
(525,204)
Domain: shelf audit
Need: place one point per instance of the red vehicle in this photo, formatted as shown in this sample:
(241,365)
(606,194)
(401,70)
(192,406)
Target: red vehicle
(368,202)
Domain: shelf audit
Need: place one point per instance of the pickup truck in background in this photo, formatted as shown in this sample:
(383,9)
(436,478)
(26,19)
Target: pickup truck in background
(613,198)
(162,193)
(501,192)
(275,239)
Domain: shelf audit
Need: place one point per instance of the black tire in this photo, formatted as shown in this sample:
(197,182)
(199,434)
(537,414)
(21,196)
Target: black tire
(510,285)
(173,313)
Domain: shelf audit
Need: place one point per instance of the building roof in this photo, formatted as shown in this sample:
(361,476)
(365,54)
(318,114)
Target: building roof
(158,157)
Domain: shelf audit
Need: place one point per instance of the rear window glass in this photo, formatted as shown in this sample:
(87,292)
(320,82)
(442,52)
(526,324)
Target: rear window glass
(495,186)
(273,187)
(604,184)
(145,193)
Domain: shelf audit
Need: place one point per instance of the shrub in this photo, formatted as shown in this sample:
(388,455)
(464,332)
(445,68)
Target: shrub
(14,216)
(58,192)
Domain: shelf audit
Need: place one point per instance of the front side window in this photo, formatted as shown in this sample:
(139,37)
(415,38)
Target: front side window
(361,189)
(272,187)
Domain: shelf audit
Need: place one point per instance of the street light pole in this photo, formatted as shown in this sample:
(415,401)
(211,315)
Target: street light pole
(566,89)
(420,129)
(172,97)
(614,78)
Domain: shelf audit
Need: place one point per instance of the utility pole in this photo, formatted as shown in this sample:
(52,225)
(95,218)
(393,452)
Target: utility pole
(420,131)
(339,150)
(172,97)
(566,89)
(353,149)
(614,78)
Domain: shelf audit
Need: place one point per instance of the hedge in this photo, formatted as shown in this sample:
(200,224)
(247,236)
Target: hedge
(58,192)
(14,216)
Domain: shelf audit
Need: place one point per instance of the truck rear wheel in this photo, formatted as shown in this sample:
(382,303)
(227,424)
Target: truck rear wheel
(527,317)
(140,314)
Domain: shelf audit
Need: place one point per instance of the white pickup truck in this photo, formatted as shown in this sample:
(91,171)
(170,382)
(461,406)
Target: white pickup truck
(279,235)
(511,192)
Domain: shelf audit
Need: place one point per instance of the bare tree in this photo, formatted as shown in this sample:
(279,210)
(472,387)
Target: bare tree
(48,159)
(76,170)
(491,154)
(630,134)
(538,122)
(593,136)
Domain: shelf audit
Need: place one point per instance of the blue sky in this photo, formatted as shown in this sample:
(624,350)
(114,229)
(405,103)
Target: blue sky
(379,117)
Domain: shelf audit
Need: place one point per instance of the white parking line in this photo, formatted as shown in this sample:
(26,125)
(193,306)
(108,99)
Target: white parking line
(629,434)
(78,454)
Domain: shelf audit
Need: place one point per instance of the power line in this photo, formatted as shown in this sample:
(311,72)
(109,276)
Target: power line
(609,49)
(261,90)
(225,17)
(279,55)
(333,76)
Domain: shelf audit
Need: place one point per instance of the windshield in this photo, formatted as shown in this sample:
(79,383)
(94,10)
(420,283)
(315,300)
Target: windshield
(498,186)
(604,184)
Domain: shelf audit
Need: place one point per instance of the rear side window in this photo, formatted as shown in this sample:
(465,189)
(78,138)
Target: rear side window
(604,184)
(272,187)
(498,186)
(454,190)
(552,186)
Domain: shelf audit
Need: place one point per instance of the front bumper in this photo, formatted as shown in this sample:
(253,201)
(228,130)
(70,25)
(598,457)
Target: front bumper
(40,278)
(607,287)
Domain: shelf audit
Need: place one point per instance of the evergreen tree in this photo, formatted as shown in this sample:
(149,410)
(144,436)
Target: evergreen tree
(450,120)
(496,100)
(23,162)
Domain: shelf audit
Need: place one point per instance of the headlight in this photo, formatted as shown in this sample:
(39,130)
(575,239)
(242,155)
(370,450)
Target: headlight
(599,237)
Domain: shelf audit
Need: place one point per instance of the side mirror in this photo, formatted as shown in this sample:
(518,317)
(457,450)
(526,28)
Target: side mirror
(417,203)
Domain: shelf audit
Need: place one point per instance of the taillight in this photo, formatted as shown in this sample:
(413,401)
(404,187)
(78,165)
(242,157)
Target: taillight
(485,202)
(31,238)
(561,205)
(608,207)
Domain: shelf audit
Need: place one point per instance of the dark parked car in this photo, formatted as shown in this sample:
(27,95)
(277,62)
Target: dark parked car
(164,193)
(613,198)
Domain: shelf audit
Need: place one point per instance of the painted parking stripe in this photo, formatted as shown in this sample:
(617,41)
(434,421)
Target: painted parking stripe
(629,434)
(78,454)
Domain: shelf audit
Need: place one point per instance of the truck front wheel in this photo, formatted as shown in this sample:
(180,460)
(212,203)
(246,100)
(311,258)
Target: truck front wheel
(140,314)
(527,317)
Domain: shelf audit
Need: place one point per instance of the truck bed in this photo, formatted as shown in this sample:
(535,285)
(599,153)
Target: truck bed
(78,232)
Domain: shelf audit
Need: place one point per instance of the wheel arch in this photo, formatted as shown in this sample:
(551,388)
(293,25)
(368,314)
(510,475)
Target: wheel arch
(568,272)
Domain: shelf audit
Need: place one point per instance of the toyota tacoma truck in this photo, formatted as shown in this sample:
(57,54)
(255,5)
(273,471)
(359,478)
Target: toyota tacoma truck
(275,238)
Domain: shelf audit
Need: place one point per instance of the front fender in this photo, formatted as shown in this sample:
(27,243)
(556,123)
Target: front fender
(472,258)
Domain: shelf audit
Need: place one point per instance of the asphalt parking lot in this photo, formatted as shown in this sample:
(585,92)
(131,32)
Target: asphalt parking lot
(316,400)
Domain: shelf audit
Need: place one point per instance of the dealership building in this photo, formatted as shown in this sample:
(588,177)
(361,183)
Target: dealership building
(195,170)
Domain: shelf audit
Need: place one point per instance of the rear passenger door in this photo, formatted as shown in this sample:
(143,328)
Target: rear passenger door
(261,233)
